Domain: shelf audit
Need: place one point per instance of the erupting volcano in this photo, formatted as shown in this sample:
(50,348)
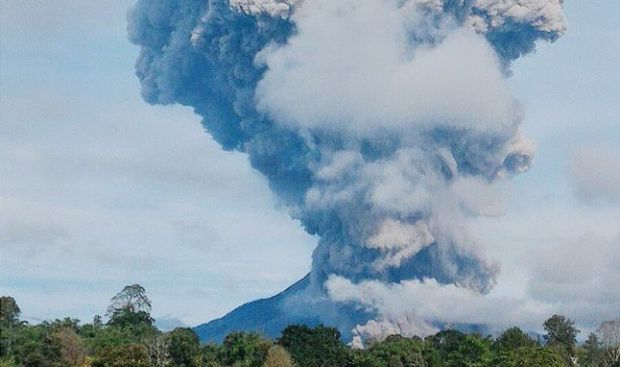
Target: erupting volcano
(382,126)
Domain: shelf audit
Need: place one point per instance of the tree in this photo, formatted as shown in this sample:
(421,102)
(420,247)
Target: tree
(34,346)
(130,308)
(244,350)
(9,321)
(592,355)
(561,334)
(211,354)
(452,348)
(131,299)
(9,311)
(159,351)
(398,351)
(314,347)
(97,322)
(536,357)
(71,345)
(278,357)
(511,340)
(124,318)
(612,356)
(183,347)
(126,355)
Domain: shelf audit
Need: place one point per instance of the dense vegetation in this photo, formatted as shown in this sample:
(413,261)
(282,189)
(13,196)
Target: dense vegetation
(130,339)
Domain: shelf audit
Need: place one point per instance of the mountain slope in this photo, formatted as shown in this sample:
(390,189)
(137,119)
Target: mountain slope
(269,316)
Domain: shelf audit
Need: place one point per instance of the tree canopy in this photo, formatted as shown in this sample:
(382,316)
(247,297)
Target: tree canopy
(131,299)
(314,347)
(130,340)
(561,335)
(9,311)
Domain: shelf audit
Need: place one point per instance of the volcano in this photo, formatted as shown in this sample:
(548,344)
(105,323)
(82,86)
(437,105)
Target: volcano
(269,316)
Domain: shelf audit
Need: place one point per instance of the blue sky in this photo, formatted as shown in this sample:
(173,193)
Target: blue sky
(100,190)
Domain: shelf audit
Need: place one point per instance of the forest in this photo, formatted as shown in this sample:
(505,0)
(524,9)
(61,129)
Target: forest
(126,336)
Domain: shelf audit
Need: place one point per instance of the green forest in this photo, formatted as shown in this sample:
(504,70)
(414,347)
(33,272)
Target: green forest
(126,337)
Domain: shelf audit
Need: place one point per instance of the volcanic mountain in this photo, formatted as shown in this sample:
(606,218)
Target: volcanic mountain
(269,316)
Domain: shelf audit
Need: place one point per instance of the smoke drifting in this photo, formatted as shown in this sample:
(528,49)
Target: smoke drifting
(382,125)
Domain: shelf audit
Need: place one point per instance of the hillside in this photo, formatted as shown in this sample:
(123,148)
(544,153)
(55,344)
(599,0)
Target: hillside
(269,317)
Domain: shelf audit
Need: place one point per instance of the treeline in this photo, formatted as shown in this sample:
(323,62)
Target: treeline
(129,339)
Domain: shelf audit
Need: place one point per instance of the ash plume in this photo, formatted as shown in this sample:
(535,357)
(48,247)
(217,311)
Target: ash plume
(381,125)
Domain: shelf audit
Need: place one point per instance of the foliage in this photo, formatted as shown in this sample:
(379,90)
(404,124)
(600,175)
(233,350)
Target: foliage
(159,351)
(183,347)
(511,340)
(537,357)
(592,353)
(451,348)
(123,318)
(129,339)
(396,350)
(244,350)
(71,346)
(132,299)
(561,332)
(612,356)
(126,355)
(314,347)
(210,355)
(9,311)
(278,357)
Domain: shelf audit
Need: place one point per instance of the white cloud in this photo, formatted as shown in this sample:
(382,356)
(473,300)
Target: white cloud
(100,190)
(596,174)
(580,276)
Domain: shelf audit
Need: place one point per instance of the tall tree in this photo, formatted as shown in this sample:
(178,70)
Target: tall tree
(131,299)
(9,323)
(592,352)
(131,308)
(561,335)
(9,311)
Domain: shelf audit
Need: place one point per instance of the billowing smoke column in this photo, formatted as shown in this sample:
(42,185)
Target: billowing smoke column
(382,125)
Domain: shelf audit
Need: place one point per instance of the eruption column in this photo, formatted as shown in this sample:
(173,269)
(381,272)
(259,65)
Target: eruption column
(382,125)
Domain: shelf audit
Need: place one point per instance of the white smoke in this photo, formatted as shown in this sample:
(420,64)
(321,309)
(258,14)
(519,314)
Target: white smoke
(410,307)
(399,241)
(350,67)
(275,8)
(544,15)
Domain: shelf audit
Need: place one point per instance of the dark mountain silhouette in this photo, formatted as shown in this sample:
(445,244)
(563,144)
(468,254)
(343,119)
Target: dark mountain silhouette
(270,316)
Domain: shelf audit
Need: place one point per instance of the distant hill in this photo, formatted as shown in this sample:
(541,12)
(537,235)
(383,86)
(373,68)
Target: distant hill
(270,316)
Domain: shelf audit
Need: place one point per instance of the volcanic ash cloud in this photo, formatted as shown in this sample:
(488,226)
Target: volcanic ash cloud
(382,125)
